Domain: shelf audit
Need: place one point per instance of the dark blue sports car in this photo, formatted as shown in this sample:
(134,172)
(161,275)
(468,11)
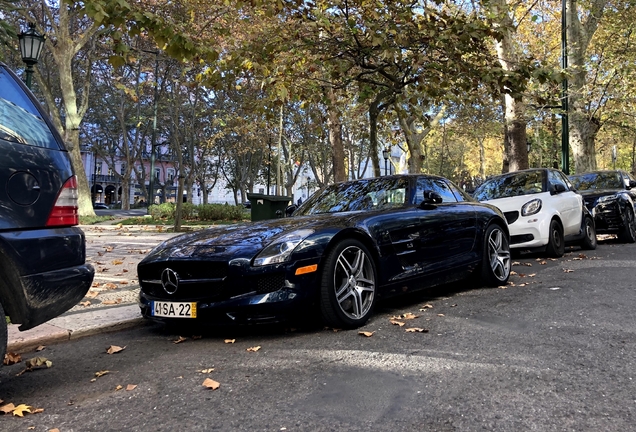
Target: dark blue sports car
(342,249)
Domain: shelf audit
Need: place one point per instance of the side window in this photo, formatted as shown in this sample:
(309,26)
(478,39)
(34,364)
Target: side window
(436,185)
(460,195)
(555,178)
(20,121)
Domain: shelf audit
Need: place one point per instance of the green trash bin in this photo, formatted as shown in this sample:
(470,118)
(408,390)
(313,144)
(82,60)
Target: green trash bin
(265,206)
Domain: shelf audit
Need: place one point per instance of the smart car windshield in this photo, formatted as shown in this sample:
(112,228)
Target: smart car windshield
(509,185)
(597,181)
(365,194)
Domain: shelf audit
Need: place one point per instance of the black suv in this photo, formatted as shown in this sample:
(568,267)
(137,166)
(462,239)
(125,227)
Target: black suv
(43,270)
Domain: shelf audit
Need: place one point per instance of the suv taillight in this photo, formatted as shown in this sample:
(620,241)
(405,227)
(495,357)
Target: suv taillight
(65,210)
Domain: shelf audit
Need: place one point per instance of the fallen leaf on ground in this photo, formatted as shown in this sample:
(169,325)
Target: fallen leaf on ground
(543,262)
(125,270)
(117,262)
(109,285)
(502,287)
(36,363)
(396,322)
(86,303)
(229,341)
(21,409)
(207,371)
(37,411)
(441,315)
(112,302)
(427,306)
(95,285)
(210,383)
(568,271)
(54,430)
(123,283)
(92,294)
(11,358)
(108,248)
(101,373)
(113,349)
(6,409)
(366,333)
(453,305)
(527,264)
(409,316)
(253,349)
(131,387)
(516,263)
(119,387)
(513,273)
(532,275)
(416,329)
(180,339)
(582,256)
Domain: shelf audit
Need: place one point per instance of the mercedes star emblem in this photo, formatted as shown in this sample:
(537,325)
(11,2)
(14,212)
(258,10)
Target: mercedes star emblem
(169,281)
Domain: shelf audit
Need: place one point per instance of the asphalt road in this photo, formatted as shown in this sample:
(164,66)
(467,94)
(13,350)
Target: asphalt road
(553,351)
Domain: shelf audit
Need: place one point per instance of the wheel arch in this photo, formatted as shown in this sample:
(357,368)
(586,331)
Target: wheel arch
(363,238)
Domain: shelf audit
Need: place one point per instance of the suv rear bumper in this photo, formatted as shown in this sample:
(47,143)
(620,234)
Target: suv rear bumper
(43,273)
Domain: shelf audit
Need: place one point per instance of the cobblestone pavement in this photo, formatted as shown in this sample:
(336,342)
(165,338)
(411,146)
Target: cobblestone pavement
(115,251)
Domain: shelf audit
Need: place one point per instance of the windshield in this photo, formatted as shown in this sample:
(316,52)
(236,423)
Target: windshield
(597,180)
(509,185)
(366,194)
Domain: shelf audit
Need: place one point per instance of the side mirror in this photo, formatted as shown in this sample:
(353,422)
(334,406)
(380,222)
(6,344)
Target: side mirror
(431,197)
(557,188)
(289,210)
(632,184)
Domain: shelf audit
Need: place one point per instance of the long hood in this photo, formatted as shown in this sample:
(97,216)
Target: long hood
(595,194)
(243,240)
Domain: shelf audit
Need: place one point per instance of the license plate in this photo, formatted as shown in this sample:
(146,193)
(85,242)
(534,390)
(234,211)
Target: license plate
(174,309)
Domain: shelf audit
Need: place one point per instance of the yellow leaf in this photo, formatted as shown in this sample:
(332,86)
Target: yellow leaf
(207,371)
(229,341)
(21,409)
(253,349)
(117,262)
(366,333)
(210,383)
(113,349)
(119,387)
(101,373)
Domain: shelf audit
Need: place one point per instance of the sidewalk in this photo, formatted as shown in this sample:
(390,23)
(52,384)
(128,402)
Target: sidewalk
(111,303)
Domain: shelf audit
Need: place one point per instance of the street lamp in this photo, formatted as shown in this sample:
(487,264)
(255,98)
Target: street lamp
(385,154)
(31,45)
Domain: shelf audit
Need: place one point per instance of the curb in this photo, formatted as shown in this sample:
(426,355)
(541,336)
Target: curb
(73,326)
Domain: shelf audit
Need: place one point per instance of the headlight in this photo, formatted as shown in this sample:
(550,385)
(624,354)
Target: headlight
(280,249)
(531,207)
(607,198)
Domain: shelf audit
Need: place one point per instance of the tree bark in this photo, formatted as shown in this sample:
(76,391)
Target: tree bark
(334,125)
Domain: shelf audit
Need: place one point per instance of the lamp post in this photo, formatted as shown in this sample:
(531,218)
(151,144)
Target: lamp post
(528,147)
(385,154)
(31,45)
(565,126)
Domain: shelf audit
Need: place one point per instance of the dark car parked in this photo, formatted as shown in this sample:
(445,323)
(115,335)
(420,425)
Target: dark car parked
(344,247)
(43,271)
(609,196)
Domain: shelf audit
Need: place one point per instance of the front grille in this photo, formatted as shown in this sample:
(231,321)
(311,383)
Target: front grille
(207,281)
(511,216)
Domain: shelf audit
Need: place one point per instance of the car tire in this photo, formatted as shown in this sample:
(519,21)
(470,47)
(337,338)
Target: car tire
(3,334)
(496,263)
(556,242)
(589,234)
(348,285)
(628,233)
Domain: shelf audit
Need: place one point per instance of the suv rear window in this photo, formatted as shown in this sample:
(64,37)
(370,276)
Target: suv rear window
(20,120)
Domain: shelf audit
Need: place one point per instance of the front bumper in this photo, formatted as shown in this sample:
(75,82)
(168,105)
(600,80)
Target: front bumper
(608,217)
(529,232)
(240,295)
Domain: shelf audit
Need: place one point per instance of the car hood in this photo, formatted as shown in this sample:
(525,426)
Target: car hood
(597,193)
(242,240)
(515,203)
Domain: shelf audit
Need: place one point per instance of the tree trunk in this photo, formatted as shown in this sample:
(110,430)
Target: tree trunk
(584,125)
(334,124)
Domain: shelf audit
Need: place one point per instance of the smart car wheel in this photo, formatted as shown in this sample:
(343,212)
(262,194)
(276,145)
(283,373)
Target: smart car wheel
(496,257)
(348,288)
(556,243)
(628,233)
(589,238)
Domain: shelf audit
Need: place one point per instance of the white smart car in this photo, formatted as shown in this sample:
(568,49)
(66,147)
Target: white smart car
(543,210)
